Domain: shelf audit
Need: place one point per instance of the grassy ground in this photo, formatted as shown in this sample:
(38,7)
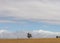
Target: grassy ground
(48,40)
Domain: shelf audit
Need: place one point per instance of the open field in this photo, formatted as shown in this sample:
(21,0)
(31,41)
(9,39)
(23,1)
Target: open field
(48,40)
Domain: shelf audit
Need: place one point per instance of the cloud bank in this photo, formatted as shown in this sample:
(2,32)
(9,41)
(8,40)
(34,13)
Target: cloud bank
(23,34)
(35,10)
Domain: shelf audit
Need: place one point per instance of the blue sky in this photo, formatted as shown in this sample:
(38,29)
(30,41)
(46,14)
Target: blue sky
(29,26)
(39,17)
(28,15)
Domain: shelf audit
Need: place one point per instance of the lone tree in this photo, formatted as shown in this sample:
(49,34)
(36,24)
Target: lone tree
(56,36)
(29,35)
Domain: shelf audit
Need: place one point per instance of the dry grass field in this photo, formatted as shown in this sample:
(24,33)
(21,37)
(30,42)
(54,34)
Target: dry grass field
(47,40)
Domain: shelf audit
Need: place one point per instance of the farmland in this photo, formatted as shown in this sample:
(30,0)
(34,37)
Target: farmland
(43,40)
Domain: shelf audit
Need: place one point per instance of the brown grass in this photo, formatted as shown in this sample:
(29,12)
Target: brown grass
(47,40)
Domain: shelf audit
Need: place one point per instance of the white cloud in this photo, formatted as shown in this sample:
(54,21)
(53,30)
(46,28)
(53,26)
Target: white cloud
(45,34)
(1,31)
(5,21)
(43,10)
(23,34)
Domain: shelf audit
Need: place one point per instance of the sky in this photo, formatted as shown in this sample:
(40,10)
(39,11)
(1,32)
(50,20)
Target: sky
(35,16)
